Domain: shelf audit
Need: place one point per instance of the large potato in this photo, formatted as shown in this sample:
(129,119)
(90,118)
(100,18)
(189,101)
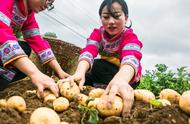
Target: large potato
(184,101)
(115,110)
(170,95)
(60,104)
(95,93)
(144,95)
(68,90)
(17,102)
(44,115)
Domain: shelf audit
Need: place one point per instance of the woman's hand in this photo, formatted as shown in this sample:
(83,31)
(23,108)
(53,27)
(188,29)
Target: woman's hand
(121,87)
(42,81)
(76,78)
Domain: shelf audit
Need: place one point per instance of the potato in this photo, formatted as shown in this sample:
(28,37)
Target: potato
(45,93)
(164,102)
(93,103)
(184,101)
(189,121)
(82,98)
(17,102)
(144,95)
(115,110)
(44,115)
(49,98)
(60,104)
(3,103)
(95,93)
(68,90)
(170,95)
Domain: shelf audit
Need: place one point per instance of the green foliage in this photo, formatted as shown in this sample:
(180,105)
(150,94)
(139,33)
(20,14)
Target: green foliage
(162,78)
(90,114)
(50,34)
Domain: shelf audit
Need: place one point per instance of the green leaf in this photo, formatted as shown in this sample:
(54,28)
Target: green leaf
(155,102)
(93,119)
(89,99)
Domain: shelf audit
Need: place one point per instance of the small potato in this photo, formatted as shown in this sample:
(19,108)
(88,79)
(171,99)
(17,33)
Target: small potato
(64,123)
(93,103)
(45,93)
(95,93)
(189,121)
(68,90)
(3,103)
(44,115)
(115,110)
(82,98)
(164,102)
(144,95)
(49,98)
(170,95)
(60,104)
(17,102)
(184,101)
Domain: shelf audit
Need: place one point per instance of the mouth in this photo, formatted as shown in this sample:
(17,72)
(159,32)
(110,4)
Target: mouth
(111,28)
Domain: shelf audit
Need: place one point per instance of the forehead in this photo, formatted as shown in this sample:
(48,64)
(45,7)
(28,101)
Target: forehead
(116,7)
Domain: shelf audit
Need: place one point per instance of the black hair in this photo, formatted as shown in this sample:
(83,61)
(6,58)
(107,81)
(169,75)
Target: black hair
(109,3)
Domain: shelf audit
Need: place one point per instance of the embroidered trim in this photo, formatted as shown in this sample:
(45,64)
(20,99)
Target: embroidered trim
(5,19)
(7,74)
(87,56)
(31,33)
(10,50)
(45,55)
(17,17)
(93,42)
(132,46)
(131,60)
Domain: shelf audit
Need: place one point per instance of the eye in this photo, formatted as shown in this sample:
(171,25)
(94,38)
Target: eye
(105,16)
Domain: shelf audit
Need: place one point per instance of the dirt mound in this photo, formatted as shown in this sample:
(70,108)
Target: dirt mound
(141,113)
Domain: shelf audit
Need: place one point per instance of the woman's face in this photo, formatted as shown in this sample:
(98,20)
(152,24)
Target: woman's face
(38,5)
(113,25)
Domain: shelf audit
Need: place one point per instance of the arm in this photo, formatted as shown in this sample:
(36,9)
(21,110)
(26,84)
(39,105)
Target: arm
(40,46)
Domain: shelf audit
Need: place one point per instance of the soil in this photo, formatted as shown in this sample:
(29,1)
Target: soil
(141,113)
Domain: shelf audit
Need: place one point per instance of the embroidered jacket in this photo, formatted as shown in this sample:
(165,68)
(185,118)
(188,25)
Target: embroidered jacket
(14,16)
(125,48)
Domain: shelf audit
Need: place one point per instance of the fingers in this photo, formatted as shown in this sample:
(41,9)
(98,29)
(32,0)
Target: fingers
(54,89)
(81,84)
(40,91)
(111,96)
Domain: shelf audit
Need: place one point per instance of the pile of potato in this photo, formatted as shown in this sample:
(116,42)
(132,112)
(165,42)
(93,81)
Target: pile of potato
(70,92)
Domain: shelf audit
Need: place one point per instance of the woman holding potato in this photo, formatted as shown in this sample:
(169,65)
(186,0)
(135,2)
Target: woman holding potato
(120,53)
(18,16)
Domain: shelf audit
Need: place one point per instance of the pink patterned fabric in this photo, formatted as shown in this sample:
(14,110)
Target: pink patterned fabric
(125,46)
(13,13)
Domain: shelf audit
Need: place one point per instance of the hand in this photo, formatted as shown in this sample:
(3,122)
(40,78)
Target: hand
(63,75)
(121,87)
(76,78)
(42,81)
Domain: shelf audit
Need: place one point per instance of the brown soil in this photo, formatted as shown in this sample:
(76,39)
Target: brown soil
(141,113)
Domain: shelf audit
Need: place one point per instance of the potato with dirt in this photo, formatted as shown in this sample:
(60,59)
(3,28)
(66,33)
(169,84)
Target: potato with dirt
(169,94)
(68,90)
(82,98)
(94,103)
(16,102)
(184,101)
(96,93)
(49,98)
(60,104)
(115,109)
(44,115)
(144,95)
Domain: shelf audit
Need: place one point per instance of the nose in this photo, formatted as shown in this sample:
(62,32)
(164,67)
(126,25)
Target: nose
(111,20)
